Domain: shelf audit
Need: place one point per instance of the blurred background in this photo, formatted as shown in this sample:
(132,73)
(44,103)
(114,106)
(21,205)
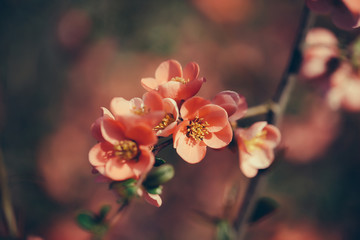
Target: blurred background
(60,61)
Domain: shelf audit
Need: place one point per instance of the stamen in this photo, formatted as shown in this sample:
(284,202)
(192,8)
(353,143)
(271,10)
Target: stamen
(140,110)
(126,149)
(180,79)
(197,129)
(169,118)
(254,143)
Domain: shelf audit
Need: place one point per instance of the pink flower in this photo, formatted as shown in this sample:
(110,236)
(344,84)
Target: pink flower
(256,147)
(234,104)
(345,89)
(204,124)
(173,82)
(345,14)
(149,109)
(169,122)
(124,151)
(321,49)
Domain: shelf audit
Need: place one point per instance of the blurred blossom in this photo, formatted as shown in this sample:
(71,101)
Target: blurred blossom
(345,89)
(34,238)
(303,231)
(73,28)
(225,11)
(305,140)
(234,104)
(320,52)
(344,13)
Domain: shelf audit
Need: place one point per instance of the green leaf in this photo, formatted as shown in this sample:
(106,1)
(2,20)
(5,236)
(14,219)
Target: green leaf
(157,190)
(264,206)
(158,176)
(159,162)
(103,212)
(86,220)
(224,231)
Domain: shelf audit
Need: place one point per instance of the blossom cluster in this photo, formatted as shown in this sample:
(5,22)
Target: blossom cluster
(333,71)
(128,133)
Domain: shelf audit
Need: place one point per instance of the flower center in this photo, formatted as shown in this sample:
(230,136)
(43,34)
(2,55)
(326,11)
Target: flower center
(180,79)
(126,149)
(169,118)
(140,110)
(254,143)
(197,129)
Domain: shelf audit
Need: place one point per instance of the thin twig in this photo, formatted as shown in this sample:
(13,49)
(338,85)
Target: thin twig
(6,205)
(280,98)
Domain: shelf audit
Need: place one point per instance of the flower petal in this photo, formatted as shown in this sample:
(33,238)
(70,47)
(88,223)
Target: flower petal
(247,169)
(215,116)
(149,84)
(190,89)
(219,139)
(144,163)
(112,130)
(191,71)
(191,106)
(120,106)
(141,133)
(153,101)
(97,154)
(188,149)
(168,70)
(153,199)
(118,169)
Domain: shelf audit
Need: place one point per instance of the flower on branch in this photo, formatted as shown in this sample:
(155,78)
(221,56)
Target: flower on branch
(124,150)
(234,104)
(204,124)
(171,81)
(256,147)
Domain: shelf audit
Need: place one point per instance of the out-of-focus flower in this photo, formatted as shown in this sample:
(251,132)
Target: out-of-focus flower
(169,122)
(171,81)
(314,131)
(320,51)
(204,124)
(256,147)
(149,109)
(225,11)
(31,237)
(345,89)
(125,152)
(73,28)
(345,14)
(234,104)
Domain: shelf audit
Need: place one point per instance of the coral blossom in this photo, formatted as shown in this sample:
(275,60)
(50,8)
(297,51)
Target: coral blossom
(149,109)
(124,151)
(204,124)
(234,104)
(171,81)
(256,147)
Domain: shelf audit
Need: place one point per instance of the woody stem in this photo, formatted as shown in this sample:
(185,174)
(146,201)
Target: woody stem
(273,116)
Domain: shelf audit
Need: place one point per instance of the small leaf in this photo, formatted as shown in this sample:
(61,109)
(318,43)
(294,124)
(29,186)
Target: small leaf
(157,190)
(224,231)
(159,162)
(103,212)
(159,175)
(86,220)
(264,206)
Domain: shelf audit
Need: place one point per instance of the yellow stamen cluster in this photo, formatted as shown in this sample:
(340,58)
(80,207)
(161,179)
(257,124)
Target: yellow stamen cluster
(169,118)
(126,149)
(197,129)
(254,143)
(180,79)
(140,110)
